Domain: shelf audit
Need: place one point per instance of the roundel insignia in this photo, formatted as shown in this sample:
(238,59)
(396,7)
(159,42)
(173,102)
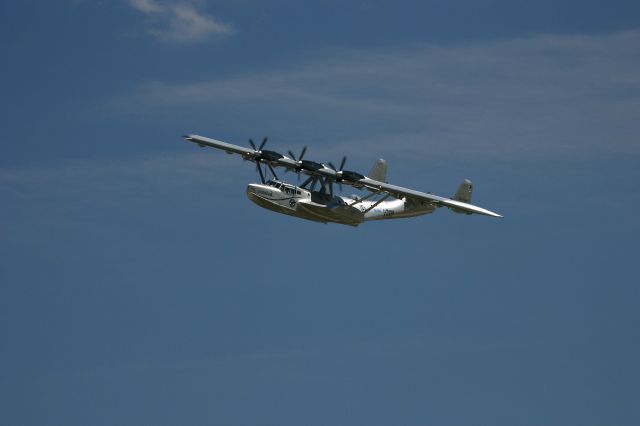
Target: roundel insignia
(292,202)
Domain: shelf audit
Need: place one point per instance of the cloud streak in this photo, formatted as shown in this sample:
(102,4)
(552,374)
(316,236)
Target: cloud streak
(539,95)
(179,22)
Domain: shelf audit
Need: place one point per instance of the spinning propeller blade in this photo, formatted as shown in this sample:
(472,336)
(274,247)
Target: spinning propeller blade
(298,160)
(266,156)
(339,171)
(264,142)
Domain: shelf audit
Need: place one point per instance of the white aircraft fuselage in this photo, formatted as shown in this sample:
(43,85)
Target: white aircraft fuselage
(320,206)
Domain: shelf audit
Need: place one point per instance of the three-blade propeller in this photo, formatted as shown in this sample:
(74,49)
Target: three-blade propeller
(347,175)
(302,164)
(267,157)
(253,145)
(292,155)
(339,171)
(262,155)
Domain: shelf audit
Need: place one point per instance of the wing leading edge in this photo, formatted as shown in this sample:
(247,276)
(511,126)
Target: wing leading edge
(235,149)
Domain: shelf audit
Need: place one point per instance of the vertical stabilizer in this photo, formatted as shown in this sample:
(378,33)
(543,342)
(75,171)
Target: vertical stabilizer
(464,192)
(379,171)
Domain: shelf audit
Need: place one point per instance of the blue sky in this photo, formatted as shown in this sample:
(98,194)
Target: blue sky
(139,285)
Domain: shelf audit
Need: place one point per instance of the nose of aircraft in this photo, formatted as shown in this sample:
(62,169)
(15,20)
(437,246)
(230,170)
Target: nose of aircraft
(257,189)
(251,188)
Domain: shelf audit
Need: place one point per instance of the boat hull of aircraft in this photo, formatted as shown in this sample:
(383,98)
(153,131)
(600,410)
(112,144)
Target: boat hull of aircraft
(271,199)
(320,207)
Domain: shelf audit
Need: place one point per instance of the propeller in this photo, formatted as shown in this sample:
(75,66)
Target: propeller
(253,145)
(297,160)
(303,164)
(263,155)
(345,175)
(304,150)
(338,172)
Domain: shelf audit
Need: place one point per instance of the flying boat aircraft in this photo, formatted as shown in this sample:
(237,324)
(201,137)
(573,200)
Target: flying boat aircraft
(315,199)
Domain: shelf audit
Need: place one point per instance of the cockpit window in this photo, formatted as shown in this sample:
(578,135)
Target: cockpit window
(284,188)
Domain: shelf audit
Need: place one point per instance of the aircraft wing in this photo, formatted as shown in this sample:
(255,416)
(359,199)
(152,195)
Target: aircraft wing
(229,148)
(271,157)
(399,192)
(350,178)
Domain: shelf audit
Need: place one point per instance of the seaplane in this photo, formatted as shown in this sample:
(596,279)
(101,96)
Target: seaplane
(315,199)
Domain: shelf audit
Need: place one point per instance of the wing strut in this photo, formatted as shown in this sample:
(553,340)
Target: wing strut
(372,206)
(363,199)
(273,172)
(260,171)
(306,182)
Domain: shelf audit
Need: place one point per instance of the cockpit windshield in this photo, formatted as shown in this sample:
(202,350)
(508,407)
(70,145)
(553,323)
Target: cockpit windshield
(284,187)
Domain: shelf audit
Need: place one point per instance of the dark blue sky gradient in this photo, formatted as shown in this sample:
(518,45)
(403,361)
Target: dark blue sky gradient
(139,285)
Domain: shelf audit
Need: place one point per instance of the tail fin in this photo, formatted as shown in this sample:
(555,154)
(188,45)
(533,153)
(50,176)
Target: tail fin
(379,171)
(464,192)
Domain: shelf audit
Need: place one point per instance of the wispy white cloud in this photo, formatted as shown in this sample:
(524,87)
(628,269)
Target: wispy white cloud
(179,21)
(539,95)
(146,6)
